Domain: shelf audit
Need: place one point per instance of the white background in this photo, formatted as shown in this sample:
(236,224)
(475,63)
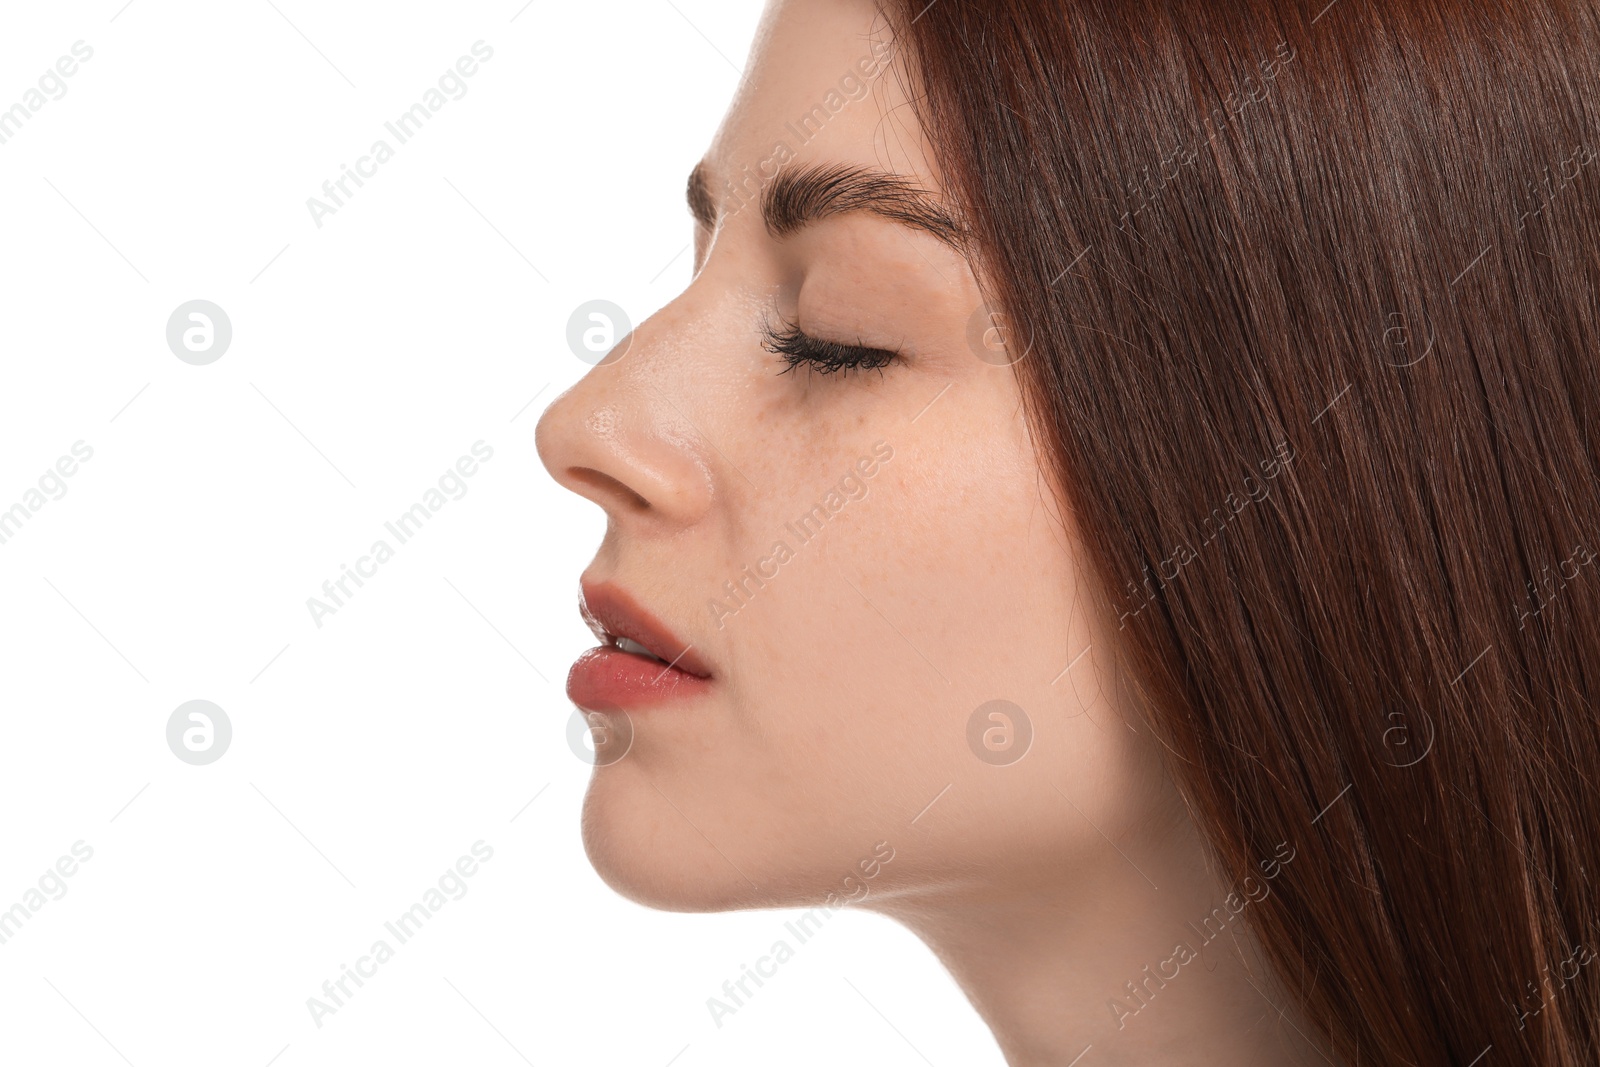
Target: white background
(369,354)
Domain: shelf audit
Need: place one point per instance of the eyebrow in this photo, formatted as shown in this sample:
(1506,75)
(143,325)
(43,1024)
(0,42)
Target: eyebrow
(796,198)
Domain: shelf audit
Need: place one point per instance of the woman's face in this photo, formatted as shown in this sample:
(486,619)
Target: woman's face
(858,562)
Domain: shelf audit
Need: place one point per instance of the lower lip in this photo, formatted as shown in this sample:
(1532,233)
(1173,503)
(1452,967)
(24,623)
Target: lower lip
(607,677)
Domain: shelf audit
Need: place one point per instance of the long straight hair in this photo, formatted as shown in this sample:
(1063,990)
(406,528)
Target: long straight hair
(1310,299)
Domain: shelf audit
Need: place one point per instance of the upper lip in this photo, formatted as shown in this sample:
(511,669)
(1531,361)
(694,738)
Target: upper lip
(611,612)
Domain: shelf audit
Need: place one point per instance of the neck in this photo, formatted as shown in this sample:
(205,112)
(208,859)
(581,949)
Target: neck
(1138,956)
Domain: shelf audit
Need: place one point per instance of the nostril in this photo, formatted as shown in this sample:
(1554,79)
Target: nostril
(606,442)
(604,486)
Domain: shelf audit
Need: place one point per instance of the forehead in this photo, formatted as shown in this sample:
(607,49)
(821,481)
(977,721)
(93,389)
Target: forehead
(825,83)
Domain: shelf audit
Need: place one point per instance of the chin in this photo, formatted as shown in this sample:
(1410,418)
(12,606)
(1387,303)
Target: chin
(648,853)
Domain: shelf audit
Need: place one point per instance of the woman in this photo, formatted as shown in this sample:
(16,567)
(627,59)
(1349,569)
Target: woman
(1120,497)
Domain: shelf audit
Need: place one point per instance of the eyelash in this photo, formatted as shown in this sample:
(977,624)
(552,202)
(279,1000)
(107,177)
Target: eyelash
(797,348)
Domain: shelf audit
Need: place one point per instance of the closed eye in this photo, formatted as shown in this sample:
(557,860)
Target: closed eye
(798,348)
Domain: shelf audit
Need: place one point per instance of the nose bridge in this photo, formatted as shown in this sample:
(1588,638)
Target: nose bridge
(618,436)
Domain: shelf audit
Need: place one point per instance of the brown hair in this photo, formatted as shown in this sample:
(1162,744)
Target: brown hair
(1315,358)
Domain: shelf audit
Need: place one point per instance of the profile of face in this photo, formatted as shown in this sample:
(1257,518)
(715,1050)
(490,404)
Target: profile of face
(851,557)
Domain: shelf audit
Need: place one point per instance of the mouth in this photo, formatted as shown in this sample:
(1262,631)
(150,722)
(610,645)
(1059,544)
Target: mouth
(620,622)
(639,661)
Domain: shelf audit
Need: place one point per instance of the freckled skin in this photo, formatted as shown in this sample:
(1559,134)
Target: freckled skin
(845,683)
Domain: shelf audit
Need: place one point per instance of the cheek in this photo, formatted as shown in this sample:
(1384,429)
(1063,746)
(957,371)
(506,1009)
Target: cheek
(950,587)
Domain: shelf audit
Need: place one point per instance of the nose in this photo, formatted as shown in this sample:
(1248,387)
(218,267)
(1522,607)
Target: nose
(621,438)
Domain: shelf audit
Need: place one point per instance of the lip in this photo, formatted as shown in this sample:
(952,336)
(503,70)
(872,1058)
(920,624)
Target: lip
(607,677)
